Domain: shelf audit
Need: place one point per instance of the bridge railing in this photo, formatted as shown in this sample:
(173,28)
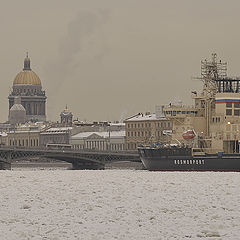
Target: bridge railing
(4,147)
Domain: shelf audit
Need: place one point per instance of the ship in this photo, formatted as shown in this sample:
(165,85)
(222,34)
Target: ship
(205,136)
(184,158)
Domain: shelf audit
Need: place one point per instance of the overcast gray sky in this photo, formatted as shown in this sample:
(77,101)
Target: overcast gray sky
(109,59)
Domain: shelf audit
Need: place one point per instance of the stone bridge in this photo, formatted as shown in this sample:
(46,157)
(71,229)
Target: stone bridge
(80,159)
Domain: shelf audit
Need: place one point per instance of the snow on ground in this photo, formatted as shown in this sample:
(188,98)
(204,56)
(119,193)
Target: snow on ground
(119,204)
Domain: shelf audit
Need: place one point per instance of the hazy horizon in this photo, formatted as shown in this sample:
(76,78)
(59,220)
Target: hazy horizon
(108,60)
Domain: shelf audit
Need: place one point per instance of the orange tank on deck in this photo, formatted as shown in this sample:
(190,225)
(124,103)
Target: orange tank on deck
(189,135)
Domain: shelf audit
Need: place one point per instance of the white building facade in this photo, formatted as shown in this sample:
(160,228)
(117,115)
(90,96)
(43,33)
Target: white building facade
(103,141)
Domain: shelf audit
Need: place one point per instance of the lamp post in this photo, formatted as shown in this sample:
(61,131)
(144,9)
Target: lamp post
(14,136)
(109,138)
(28,138)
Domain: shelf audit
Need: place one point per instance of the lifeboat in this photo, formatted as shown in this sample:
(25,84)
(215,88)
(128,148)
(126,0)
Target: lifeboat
(189,135)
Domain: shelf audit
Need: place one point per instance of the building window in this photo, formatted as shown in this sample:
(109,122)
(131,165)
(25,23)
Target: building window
(228,105)
(236,112)
(236,105)
(229,112)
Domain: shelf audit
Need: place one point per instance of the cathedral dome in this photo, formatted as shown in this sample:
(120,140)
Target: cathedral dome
(66,110)
(27,76)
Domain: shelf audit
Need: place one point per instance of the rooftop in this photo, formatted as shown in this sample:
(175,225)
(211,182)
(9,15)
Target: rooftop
(113,134)
(144,117)
(56,130)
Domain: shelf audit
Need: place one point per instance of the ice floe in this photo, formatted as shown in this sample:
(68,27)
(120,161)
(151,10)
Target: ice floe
(119,204)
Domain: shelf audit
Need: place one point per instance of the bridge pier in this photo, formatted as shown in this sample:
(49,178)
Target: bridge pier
(82,165)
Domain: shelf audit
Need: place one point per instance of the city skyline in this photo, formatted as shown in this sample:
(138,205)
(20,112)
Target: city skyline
(111,60)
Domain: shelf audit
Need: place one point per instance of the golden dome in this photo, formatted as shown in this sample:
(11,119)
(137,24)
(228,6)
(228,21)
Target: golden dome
(27,77)
(66,110)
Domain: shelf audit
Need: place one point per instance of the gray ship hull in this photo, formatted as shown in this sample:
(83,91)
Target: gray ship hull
(153,160)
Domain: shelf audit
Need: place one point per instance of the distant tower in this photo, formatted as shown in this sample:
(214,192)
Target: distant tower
(66,117)
(27,84)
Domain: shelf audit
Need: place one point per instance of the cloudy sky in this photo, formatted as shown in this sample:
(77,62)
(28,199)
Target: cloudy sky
(109,59)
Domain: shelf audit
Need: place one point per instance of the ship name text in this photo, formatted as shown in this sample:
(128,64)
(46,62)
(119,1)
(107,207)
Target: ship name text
(183,162)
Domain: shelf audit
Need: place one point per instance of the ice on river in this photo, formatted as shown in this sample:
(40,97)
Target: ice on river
(119,204)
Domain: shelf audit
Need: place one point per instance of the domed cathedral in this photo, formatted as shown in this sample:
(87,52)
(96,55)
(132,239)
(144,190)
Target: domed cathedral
(28,86)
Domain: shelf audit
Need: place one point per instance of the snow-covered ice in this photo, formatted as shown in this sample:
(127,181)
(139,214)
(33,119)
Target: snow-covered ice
(119,204)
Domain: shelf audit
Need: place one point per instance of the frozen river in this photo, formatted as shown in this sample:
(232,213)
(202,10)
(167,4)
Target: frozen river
(119,204)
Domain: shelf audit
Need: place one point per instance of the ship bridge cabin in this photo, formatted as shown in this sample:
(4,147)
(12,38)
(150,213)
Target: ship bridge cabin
(225,122)
(228,85)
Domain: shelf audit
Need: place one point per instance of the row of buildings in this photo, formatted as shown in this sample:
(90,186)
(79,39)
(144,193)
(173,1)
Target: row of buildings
(90,136)
(138,130)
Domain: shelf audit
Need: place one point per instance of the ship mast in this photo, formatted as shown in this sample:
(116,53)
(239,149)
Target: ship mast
(211,72)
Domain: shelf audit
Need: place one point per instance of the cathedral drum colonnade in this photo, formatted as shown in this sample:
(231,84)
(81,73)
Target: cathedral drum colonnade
(27,85)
